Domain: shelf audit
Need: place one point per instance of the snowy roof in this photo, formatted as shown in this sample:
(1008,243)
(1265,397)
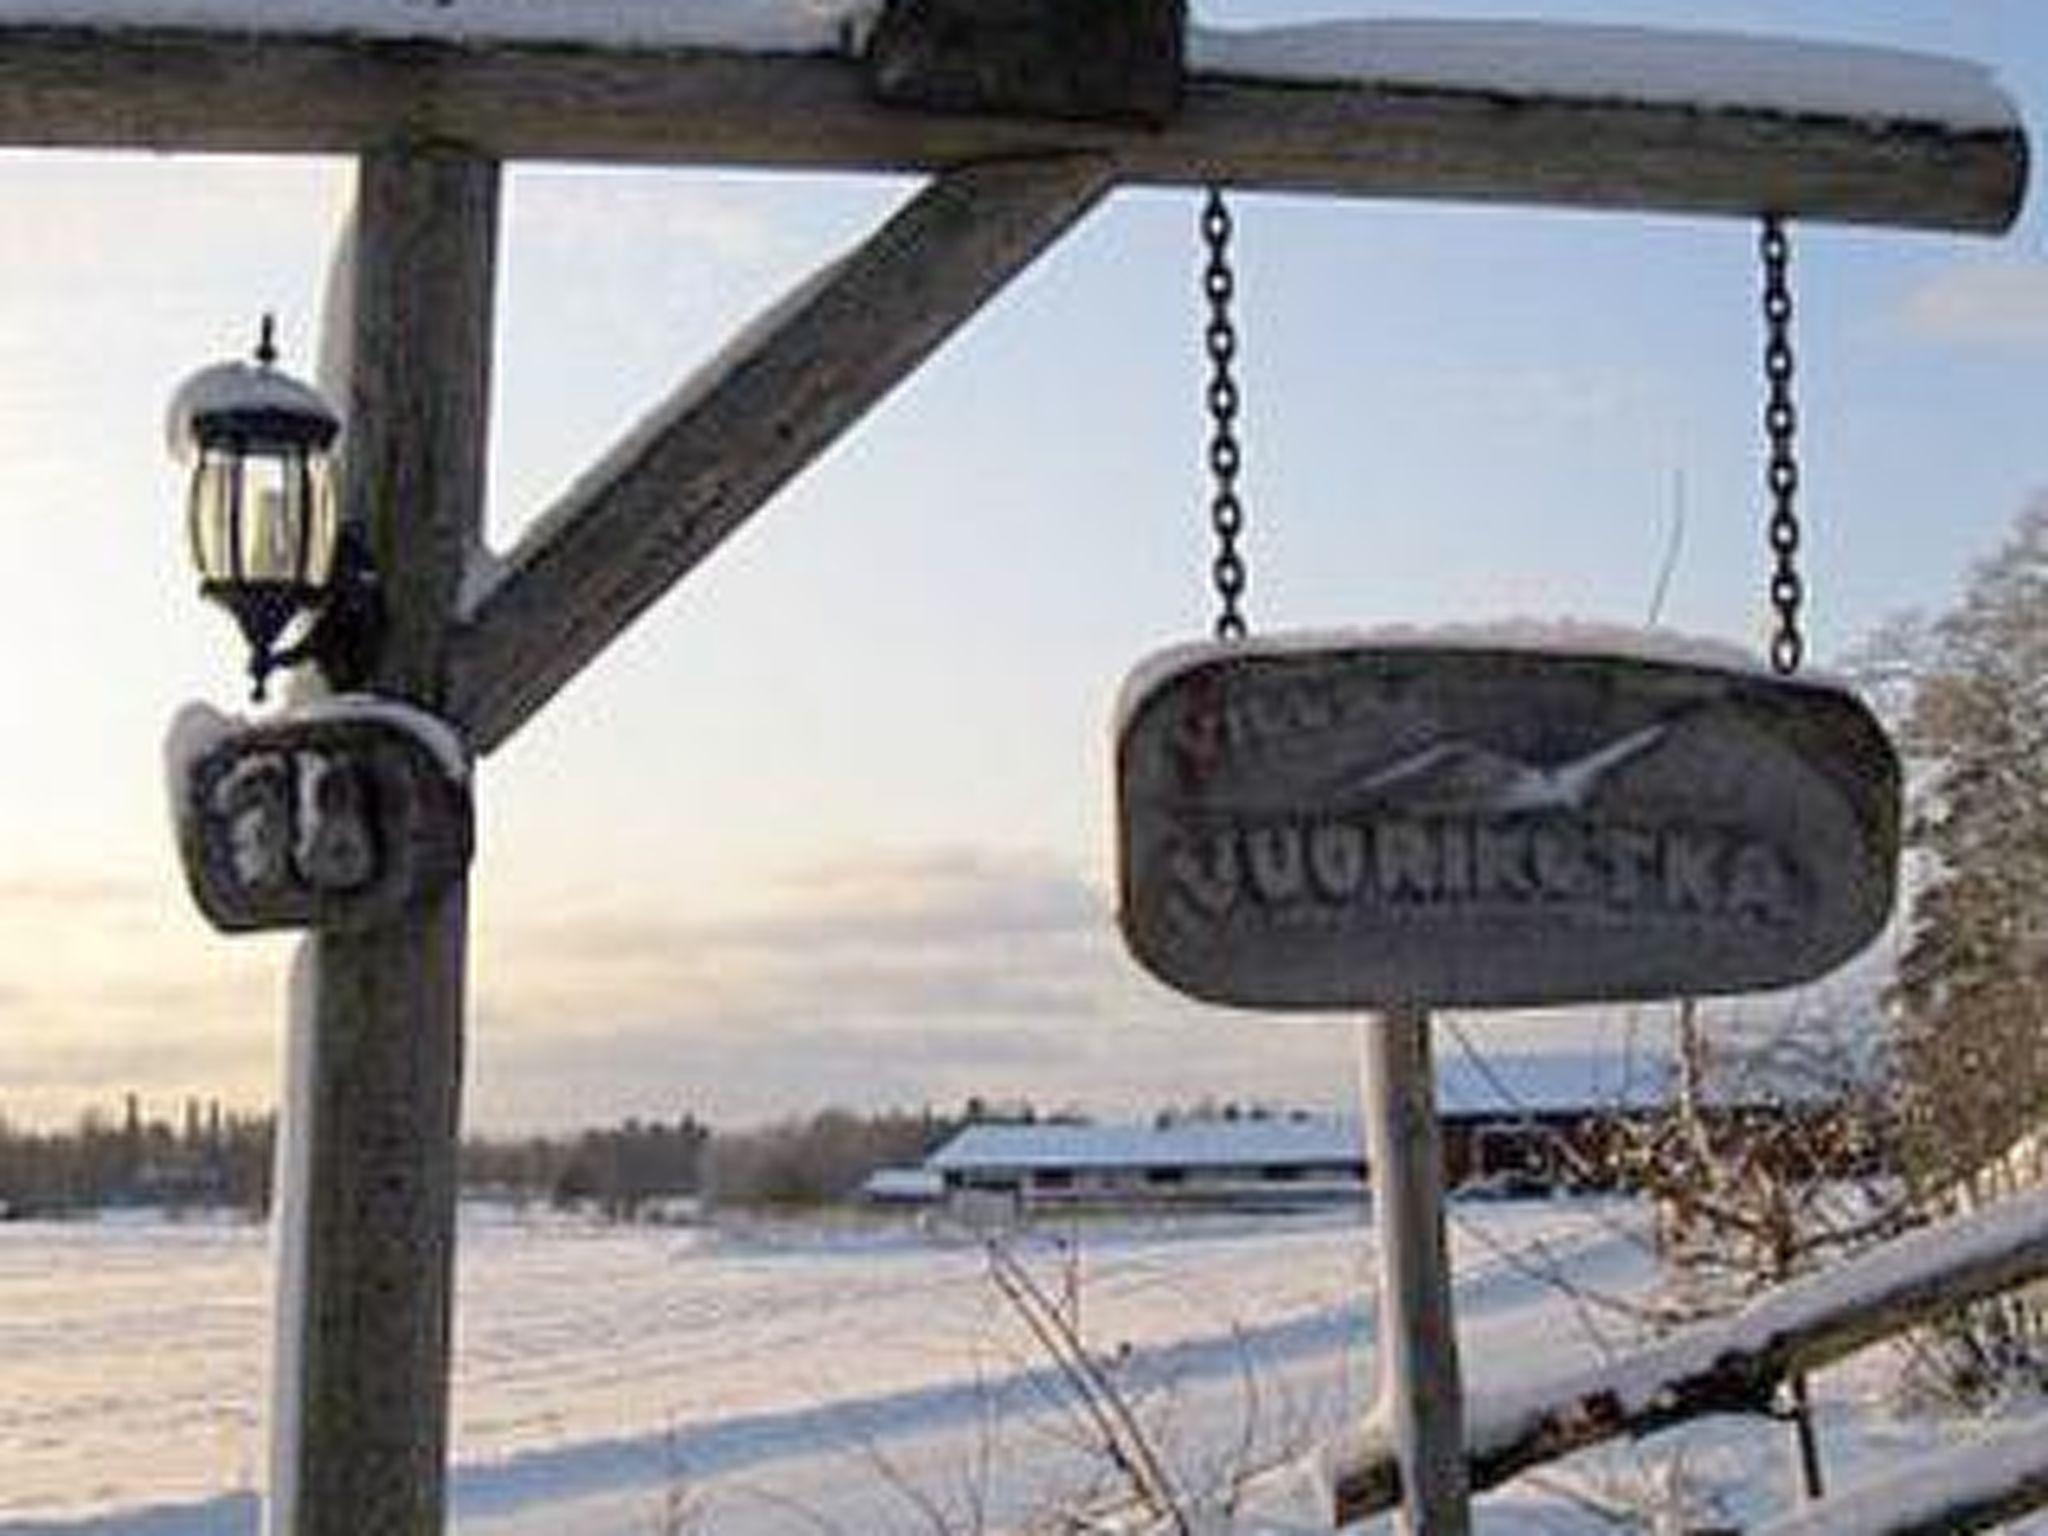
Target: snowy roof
(1547,1082)
(1490,1085)
(903,1184)
(1178,1144)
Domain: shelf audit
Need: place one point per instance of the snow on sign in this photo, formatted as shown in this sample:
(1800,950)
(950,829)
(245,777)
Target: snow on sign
(1486,825)
(338,815)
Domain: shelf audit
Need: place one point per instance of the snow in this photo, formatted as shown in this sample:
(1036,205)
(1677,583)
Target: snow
(436,735)
(1628,64)
(1502,1084)
(1177,1144)
(1623,64)
(909,1184)
(751,26)
(1554,637)
(1550,1082)
(772,1367)
(227,388)
(198,728)
(195,731)
(1923,1490)
(590,1358)
(1911,1265)
(2013,1226)
(290,1233)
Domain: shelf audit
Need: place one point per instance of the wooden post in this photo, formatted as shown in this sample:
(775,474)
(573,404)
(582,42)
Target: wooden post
(366,1211)
(1421,1394)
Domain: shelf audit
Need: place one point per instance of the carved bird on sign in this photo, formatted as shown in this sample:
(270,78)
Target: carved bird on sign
(1457,775)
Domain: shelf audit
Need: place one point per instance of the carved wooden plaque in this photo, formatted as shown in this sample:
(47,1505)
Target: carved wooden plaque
(1376,826)
(338,816)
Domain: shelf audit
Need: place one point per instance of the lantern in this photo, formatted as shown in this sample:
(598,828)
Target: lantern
(262,516)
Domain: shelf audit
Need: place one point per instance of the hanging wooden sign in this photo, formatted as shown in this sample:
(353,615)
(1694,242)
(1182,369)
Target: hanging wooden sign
(337,816)
(1372,825)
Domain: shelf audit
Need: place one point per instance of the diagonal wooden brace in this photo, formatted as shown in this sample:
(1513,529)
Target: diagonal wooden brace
(743,426)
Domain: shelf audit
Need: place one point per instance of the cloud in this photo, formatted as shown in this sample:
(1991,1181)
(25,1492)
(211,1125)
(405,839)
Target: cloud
(109,985)
(952,933)
(950,897)
(870,983)
(1982,303)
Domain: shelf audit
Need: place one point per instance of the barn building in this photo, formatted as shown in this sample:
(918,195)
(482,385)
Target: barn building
(1513,1125)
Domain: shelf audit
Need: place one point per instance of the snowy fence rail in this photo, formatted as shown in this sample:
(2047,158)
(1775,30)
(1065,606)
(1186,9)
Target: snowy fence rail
(1947,1493)
(1736,1364)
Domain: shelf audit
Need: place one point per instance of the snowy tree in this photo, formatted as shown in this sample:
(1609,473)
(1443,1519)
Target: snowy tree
(1971,995)
(1970,1000)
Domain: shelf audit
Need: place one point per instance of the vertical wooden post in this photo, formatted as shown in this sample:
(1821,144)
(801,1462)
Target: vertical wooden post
(366,1207)
(1421,1395)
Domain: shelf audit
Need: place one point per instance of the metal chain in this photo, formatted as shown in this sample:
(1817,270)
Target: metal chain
(1226,511)
(1781,425)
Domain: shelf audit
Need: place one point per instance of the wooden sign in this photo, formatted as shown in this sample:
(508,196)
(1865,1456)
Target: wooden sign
(340,816)
(1366,825)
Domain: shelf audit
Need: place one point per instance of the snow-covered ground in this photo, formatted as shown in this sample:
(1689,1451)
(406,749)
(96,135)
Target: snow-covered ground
(777,1378)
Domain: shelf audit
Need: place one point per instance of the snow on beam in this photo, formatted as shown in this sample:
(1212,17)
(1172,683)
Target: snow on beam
(1948,1493)
(1731,1364)
(1577,116)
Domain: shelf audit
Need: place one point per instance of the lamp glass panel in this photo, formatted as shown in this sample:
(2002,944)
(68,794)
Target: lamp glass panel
(271,538)
(322,520)
(215,482)
(287,525)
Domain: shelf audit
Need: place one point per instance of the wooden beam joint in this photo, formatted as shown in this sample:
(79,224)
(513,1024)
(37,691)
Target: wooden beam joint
(1106,60)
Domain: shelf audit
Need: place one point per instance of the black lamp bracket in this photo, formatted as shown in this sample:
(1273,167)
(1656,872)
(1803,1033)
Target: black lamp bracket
(348,629)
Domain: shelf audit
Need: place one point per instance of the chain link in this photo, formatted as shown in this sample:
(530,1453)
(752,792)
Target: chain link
(1226,457)
(1781,426)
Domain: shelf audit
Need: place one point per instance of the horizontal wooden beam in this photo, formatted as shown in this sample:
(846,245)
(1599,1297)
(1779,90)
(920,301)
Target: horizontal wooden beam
(722,445)
(276,91)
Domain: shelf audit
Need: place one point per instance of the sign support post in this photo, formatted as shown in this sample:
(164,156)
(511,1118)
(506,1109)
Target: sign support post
(1420,1394)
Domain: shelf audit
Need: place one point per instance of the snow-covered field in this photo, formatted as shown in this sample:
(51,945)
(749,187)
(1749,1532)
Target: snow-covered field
(783,1378)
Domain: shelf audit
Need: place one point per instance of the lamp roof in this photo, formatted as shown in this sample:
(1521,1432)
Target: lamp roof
(253,402)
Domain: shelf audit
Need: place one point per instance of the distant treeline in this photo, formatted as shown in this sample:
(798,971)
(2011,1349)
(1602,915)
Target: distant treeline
(624,1171)
(211,1158)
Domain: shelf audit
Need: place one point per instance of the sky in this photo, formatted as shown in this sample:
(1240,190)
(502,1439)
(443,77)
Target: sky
(833,824)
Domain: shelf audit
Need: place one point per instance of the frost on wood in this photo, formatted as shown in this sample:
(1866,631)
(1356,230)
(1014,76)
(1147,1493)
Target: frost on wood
(1732,1364)
(289,1231)
(1623,64)
(1555,637)
(747,26)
